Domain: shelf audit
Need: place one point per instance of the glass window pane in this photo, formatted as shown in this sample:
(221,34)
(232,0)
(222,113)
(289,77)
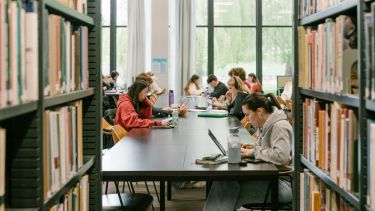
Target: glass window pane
(277,56)
(234,12)
(201,12)
(105,51)
(106,14)
(121,12)
(201,50)
(277,12)
(122,51)
(233,47)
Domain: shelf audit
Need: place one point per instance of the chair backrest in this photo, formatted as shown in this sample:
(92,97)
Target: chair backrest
(118,132)
(245,123)
(106,126)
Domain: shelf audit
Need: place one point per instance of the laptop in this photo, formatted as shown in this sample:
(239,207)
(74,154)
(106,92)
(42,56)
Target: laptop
(218,144)
(195,102)
(221,148)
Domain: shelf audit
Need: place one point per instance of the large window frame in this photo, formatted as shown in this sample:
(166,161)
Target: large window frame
(258,28)
(113,26)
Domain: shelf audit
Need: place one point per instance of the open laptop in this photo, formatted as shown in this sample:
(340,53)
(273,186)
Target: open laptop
(218,144)
(221,148)
(195,102)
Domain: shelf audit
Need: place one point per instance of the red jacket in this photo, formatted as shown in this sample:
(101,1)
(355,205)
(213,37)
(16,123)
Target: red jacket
(128,118)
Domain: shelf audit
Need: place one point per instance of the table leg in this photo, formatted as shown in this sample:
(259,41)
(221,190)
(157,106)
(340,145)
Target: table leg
(275,193)
(169,190)
(162,195)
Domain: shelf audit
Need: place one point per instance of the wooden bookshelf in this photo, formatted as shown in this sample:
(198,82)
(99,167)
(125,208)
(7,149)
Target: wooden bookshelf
(70,14)
(17,110)
(55,198)
(329,12)
(349,100)
(51,101)
(353,200)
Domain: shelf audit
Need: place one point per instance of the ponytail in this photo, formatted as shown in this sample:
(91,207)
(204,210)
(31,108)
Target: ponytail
(260,100)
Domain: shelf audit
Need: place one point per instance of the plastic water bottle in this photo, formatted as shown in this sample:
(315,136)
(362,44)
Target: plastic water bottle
(234,147)
(175,117)
(209,103)
(171,97)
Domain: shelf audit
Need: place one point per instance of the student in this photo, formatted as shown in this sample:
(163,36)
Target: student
(154,87)
(192,87)
(219,88)
(254,83)
(134,109)
(234,98)
(273,145)
(240,72)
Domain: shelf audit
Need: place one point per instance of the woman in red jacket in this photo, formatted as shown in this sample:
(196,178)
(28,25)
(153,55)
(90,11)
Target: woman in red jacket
(134,109)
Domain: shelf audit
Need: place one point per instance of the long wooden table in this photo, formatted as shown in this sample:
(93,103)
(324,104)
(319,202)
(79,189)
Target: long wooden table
(147,154)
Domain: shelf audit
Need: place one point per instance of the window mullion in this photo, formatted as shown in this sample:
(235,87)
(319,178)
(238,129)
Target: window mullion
(113,36)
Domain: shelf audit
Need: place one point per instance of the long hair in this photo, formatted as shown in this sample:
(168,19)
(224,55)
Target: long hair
(192,79)
(134,91)
(260,100)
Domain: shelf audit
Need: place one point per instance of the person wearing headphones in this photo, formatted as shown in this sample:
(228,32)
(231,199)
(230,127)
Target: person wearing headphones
(234,98)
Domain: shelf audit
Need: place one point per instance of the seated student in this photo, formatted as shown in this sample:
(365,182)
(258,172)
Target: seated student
(192,87)
(154,87)
(273,145)
(234,98)
(219,87)
(134,109)
(254,83)
(240,72)
(159,112)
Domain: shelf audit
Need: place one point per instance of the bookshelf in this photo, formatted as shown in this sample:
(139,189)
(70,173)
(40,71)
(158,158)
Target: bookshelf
(358,103)
(24,123)
(329,12)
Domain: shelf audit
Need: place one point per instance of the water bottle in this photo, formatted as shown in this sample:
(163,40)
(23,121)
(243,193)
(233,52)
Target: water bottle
(234,147)
(171,97)
(175,117)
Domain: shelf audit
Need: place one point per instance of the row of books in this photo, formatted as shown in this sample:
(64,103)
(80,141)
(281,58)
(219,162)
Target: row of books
(77,199)
(63,154)
(309,7)
(328,56)
(67,57)
(79,5)
(18,52)
(2,166)
(371,164)
(370,52)
(315,196)
(330,141)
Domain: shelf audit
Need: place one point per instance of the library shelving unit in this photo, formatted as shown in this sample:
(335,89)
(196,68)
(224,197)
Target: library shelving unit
(24,122)
(355,8)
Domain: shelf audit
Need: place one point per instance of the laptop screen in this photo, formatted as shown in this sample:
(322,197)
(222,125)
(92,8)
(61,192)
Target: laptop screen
(221,148)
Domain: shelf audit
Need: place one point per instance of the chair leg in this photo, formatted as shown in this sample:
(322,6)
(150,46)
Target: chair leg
(130,190)
(118,193)
(169,190)
(106,188)
(123,187)
(156,191)
(132,187)
(148,192)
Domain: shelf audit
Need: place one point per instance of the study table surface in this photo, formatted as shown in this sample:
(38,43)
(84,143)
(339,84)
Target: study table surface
(170,154)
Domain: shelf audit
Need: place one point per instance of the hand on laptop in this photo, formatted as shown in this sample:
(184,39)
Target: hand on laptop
(247,146)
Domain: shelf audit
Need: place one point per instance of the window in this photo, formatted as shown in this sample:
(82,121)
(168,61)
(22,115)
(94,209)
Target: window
(226,37)
(114,36)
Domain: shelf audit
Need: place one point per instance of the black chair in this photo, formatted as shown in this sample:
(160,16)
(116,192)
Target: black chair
(285,172)
(126,201)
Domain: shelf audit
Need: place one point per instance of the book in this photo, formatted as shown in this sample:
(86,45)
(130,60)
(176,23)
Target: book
(2,161)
